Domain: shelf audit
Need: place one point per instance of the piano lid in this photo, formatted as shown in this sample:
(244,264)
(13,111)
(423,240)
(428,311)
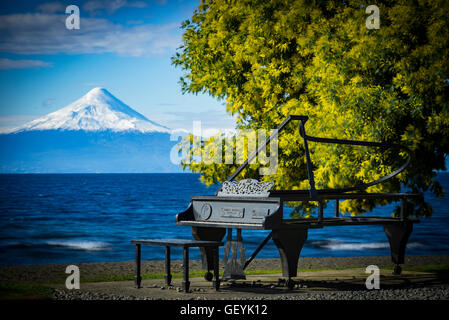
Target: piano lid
(313,194)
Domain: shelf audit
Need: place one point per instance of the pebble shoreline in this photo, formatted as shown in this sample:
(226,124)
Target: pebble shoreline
(440,292)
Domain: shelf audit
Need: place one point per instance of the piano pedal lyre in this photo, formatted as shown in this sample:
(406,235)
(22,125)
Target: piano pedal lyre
(234,269)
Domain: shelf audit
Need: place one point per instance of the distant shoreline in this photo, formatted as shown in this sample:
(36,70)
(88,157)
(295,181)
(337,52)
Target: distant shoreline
(54,273)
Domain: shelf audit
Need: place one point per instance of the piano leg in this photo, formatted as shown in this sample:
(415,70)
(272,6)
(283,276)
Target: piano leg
(289,243)
(216,281)
(207,254)
(398,235)
(185,282)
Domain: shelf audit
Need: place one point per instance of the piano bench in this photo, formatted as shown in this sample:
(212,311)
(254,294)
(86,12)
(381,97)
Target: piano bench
(186,244)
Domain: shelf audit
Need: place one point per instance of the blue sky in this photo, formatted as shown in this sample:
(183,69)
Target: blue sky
(123,46)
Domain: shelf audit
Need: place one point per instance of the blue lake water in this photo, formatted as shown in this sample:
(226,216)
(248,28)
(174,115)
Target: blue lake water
(72,218)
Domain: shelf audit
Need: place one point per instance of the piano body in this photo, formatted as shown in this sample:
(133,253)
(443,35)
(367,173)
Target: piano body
(211,217)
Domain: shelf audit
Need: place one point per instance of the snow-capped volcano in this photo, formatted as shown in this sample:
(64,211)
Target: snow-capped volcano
(98,110)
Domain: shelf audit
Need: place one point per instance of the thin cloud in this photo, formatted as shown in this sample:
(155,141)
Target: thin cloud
(37,33)
(134,22)
(51,7)
(94,6)
(9,122)
(6,64)
(212,121)
(48,102)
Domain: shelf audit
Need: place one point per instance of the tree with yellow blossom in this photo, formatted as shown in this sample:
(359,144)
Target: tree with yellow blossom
(269,59)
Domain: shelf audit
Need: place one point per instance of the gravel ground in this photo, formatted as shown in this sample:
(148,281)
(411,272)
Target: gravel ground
(440,292)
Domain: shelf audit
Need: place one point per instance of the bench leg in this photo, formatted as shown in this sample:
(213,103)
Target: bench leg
(137,278)
(185,281)
(216,282)
(167,275)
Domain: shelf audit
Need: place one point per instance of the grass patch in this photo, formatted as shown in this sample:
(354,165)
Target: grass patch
(146,276)
(440,269)
(192,274)
(24,291)
(432,268)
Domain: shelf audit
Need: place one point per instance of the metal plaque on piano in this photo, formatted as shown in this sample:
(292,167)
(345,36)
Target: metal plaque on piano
(232,212)
(260,213)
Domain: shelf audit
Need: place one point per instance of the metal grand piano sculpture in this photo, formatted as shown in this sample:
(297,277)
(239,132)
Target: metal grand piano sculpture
(250,204)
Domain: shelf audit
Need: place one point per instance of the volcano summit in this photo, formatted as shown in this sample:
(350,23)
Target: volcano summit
(98,110)
(96,133)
